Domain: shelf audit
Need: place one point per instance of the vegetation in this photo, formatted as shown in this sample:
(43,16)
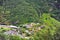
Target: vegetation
(48,32)
(44,14)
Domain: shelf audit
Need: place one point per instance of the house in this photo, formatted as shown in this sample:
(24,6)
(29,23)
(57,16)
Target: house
(11,32)
(8,26)
(11,26)
(29,25)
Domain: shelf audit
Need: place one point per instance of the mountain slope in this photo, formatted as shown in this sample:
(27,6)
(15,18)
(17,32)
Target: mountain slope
(24,11)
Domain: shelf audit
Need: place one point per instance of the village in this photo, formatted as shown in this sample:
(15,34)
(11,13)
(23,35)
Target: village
(23,30)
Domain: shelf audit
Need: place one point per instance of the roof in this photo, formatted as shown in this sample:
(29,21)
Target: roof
(8,26)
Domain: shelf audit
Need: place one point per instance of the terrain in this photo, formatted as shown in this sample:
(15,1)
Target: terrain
(29,19)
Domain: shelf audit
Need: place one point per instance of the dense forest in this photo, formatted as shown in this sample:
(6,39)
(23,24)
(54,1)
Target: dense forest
(42,13)
(23,11)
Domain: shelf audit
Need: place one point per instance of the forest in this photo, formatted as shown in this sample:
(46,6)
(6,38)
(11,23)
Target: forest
(29,19)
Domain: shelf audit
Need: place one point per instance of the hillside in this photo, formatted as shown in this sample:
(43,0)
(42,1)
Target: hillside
(23,11)
(46,30)
(29,19)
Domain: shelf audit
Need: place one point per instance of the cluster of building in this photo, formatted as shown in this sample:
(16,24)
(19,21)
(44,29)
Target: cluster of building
(17,30)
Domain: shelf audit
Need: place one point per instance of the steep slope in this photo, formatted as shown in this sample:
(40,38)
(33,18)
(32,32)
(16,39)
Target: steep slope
(24,11)
(46,30)
(50,30)
(19,12)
